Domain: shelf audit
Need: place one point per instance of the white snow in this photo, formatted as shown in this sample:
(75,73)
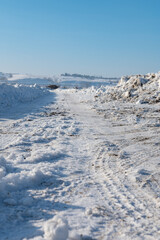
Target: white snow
(29,79)
(13,94)
(56,229)
(139,88)
(80,162)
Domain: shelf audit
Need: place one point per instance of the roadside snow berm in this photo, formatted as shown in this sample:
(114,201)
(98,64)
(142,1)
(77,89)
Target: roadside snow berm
(138,88)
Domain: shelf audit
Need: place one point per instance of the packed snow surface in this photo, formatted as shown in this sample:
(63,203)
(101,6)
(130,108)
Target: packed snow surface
(80,162)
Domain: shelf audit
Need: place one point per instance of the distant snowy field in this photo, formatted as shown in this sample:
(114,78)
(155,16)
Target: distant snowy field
(18,88)
(80,162)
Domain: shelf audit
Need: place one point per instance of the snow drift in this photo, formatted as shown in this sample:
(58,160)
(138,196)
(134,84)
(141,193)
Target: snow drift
(12,94)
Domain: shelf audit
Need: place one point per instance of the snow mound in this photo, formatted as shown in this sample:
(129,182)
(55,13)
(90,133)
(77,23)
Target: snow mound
(139,88)
(56,229)
(11,182)
(12,94)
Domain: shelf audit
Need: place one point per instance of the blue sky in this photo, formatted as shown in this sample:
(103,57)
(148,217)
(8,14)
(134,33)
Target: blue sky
(101,37)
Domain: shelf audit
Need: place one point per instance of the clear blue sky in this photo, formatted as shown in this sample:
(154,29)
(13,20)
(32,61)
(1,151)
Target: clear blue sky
(102,37)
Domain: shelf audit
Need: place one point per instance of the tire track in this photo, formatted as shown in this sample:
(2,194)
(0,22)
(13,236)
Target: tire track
(128,206)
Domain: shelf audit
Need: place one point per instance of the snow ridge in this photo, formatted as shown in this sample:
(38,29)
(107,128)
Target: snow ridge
(13,94)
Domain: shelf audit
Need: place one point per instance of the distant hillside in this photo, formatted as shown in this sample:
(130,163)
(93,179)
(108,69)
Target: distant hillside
(85,76)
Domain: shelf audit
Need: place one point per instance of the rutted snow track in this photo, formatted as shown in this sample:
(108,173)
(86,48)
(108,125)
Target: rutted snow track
(84,165)
(126,210)
(133,212)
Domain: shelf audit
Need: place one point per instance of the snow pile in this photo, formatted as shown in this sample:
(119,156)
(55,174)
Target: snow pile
(12,94)
(15,181)
(139,88)
(56,229)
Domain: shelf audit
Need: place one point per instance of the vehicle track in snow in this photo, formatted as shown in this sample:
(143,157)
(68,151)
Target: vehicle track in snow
(128,211)
(96,165)
(127,203)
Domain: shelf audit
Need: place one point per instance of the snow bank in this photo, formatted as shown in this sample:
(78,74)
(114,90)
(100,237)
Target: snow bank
(139,88)
(12,94)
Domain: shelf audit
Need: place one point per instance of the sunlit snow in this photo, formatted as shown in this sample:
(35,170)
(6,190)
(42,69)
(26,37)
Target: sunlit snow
(80,162)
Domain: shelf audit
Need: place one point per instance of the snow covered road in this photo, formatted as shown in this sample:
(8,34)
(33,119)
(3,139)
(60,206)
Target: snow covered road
(80,168)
